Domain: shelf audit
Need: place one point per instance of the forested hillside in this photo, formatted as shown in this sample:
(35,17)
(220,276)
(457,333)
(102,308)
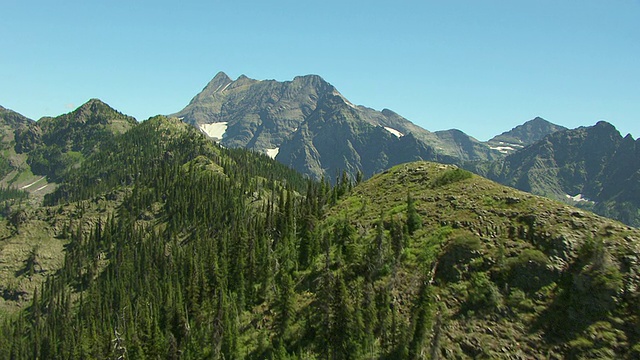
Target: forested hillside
(204,252)
(200,233)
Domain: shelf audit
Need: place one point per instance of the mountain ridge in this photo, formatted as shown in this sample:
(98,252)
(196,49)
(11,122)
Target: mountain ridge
(593,164)
(196,250)
(263,115)
(306,123)
(523,135)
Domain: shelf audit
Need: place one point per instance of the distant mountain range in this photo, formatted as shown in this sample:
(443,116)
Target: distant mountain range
(157,243)
(194,250)
(308,125)
(523,135)
(592,167)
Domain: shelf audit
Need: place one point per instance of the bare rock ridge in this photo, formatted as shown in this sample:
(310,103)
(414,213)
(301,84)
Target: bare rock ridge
(307,124)
(300,121)
(592,167)
(522,135)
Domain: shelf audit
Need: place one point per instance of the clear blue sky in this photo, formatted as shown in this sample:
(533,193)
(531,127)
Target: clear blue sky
(480,66)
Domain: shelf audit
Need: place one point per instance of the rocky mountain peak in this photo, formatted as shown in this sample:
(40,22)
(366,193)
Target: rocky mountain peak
(92,105)
(311,78)
(94,109)
(629,137)
(221,76)
(523,135)
(217,83)
(389,113)
(11,117)
(603,126)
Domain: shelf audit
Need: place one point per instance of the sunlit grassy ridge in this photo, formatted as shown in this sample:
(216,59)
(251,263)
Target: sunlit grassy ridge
(509,273)
(177,247)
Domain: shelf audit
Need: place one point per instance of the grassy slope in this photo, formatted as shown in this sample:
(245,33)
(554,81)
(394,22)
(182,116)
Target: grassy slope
(504,265)
(43,233)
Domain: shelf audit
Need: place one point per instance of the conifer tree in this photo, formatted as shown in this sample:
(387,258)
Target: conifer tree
(414,221)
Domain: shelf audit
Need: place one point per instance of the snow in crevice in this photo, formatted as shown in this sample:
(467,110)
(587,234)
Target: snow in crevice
(272,153)
(394,131)
(506,148)
(224,88)
(578,198)
(503,149)
(215,130)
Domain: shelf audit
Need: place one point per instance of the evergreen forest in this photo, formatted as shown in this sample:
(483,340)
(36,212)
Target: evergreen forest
(177,248)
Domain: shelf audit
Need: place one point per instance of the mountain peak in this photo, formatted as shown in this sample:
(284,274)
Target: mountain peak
(93,102)
(604,125)
(94,112)
(311,78)
(94,105)
(217,83)
(244,78)
(386,112)
(221,75)
(12,117)
(525,134)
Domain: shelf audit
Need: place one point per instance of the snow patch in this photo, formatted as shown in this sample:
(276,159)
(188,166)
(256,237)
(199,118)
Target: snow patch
(510,144)
(337,93)
(578,198)
(394,132)
(506,148)
(215,130)
(225,87)
(272,153)
(503,149)
(350,104)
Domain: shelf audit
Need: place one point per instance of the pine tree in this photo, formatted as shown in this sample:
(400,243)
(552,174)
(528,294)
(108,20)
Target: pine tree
(414,221)
(397,238)
(285,305)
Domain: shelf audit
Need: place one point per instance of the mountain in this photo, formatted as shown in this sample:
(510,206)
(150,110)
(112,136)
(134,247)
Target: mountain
(523,135)
(253,114)
(592,166)
(308,125)
(65,140)
(463,146)
(295,121)
(498,273)
(82,129)
(13,126)
(161,244)
(337,137)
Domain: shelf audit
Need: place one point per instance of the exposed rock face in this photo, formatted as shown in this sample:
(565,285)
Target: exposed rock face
(260,115)
(16,137)
(594,165)
(523,135)
(316,130)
